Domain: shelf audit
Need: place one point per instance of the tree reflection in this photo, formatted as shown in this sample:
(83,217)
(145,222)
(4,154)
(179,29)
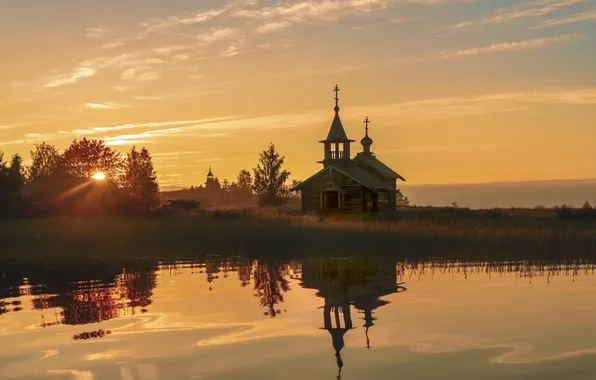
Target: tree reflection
(91,335)
(270,284)
(84,292)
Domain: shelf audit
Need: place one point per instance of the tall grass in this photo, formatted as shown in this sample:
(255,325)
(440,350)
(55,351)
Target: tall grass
(274,234)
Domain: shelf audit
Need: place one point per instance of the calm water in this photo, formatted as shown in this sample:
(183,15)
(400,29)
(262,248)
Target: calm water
(315,319)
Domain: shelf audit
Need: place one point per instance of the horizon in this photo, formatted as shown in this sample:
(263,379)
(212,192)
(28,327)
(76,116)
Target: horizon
(458,93)
(488,195)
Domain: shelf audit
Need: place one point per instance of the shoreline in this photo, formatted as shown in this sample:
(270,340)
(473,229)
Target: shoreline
(280,235)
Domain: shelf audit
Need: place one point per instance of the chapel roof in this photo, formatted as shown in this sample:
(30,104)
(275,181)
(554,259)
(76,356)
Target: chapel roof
(358,174)
(337,131)
(378,166)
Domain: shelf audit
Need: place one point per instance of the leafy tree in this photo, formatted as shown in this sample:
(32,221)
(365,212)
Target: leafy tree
(4,186)
(270,179)
(244,181)
(16,174)
(139,178)
(46,161)
(587,206)
(225,185)
(295,194)
(401,200)
(12,181)
(86,157)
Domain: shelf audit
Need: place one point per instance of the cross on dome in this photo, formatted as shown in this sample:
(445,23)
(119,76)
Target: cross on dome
(366,141)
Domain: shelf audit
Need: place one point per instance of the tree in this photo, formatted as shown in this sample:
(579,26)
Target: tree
(12,181)
(587,206)
(16,174)
(4,186)
(401,200)
(85,158)
(244,181)
(269,178)
(46,161)
(295,194)
(139,179)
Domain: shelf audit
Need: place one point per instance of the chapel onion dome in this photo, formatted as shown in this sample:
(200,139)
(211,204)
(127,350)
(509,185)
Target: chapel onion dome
(366,141)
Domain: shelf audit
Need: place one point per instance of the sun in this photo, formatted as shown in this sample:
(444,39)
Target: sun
(99,176)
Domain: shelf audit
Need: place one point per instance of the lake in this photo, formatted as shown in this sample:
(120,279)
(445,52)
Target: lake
(346,318)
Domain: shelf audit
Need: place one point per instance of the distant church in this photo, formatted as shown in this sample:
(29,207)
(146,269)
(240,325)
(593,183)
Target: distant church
(346,184)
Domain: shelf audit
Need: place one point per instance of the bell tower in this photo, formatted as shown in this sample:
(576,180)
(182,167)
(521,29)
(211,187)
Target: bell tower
(336,145)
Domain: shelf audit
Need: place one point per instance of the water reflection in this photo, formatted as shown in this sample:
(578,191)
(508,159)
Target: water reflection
(346,283)
(83,293)
(351,292)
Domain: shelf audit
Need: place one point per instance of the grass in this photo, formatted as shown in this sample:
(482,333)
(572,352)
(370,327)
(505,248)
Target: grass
(283,235)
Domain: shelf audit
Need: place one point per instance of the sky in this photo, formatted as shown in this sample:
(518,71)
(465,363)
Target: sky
(457,91)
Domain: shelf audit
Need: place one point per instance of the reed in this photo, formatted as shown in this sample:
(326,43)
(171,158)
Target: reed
(275,234)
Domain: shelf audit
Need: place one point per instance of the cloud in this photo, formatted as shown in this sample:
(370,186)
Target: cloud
(141,73)
(282,16)
(207,160)
(449,107)
(112,45)
(117,142)
(360,28)
(199,17)
(405,112)
(87,69)
(73,77)
(274,26)
(531,9)
(216,35)
(401,20)
(590,15)
(98,130)
(510,46)
(230,51)
(411,111)
(168,50)
(176,154)
(435,148)
(207,128)
(184,19)
(195,77)
(104,106)
(311,9)
(94,32)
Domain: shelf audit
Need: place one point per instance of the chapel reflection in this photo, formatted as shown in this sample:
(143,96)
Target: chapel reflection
(346,284)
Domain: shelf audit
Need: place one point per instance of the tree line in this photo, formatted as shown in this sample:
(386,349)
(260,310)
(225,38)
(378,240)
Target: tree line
(90,178)
(267,185)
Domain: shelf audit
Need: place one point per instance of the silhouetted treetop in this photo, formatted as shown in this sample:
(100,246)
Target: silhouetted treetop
(139,178)
(270,179)
(85,157)
(244,181)
(46,160)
